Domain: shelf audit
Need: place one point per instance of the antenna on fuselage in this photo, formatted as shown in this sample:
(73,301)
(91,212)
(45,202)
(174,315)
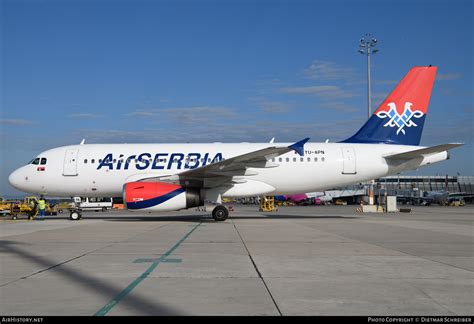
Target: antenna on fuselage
(272,140)
(83,141)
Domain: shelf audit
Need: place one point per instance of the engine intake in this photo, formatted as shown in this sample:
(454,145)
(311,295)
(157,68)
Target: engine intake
(160,196)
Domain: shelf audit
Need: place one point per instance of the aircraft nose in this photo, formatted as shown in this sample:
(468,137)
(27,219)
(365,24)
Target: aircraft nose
(15,179)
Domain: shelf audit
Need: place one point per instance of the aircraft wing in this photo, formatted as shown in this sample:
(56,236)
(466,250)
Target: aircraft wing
(220,172)
(422,152)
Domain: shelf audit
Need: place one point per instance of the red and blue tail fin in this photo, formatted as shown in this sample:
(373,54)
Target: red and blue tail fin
(401,116)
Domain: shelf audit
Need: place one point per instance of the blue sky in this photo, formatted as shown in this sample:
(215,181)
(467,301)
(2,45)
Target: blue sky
(229,71)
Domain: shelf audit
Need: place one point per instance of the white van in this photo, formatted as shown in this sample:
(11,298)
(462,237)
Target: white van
(93,203)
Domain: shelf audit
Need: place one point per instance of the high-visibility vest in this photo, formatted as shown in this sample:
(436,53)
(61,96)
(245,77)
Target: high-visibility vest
(42,204)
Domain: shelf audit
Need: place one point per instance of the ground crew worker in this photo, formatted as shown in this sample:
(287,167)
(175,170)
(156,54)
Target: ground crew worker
(41,207)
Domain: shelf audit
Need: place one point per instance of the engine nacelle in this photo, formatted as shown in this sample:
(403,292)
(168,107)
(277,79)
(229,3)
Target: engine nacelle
(160,196)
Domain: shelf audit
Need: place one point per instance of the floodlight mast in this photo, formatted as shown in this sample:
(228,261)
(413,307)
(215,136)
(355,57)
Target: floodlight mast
(366,44)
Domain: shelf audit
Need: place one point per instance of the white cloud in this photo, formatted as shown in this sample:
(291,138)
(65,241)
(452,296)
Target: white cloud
(337,105)
(322,91)
(84,116)
(142,113)
(324,70)
(16,122)
(200,116)
(220,111)
(253,131)
(275,107)
(448,76)
(196,116)
(386,82)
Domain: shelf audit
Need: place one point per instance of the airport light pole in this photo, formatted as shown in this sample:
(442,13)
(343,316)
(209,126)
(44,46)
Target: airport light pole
(366,45)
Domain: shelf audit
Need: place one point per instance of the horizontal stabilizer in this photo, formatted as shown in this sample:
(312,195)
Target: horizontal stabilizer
(424,151)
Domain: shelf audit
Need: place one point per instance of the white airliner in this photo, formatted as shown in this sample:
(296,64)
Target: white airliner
(164,177)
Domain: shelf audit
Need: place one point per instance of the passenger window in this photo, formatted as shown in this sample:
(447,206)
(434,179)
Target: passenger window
(92,161)
(43,161)
(36,161)
(322,159)
(100,160)
(315,159)
(287,159)
(85,161)
(294,159)
(115,160)
(280,159)
(309,159)
(301,159)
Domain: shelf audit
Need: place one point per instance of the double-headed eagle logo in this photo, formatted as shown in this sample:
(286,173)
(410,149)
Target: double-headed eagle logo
(400,121)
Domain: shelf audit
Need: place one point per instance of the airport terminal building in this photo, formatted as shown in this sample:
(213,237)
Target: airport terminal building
(452,184)
(409,188)
(420,186)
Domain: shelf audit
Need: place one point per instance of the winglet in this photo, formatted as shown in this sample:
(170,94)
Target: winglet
(298,147)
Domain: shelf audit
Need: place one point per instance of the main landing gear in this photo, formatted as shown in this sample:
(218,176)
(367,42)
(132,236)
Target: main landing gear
(220,213)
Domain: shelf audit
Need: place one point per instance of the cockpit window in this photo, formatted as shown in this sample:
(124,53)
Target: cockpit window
(43,161)
(36,161)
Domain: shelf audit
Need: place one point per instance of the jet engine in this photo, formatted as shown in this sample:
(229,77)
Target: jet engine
(160,196)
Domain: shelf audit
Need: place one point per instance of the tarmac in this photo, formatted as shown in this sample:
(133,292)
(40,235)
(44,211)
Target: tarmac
(312,260)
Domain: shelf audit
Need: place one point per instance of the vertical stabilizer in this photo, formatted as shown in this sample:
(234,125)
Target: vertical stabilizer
(401,116)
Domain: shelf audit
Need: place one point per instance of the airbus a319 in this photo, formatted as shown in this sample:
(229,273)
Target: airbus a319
(165,177)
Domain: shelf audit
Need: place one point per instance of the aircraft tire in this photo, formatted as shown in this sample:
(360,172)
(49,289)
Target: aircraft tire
(75,216)
(220,213)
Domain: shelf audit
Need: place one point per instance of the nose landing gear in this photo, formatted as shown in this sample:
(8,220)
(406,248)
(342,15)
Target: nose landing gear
(75,215)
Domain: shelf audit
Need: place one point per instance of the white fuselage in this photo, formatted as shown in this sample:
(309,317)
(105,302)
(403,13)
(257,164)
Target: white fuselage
(76,171)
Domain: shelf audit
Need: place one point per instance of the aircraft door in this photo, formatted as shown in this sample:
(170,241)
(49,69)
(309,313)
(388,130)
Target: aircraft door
(348,160)
(70,163)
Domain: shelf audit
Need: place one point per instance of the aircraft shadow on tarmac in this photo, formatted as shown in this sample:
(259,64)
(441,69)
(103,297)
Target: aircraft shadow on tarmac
(194,218)
(208,218)
(142,305)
